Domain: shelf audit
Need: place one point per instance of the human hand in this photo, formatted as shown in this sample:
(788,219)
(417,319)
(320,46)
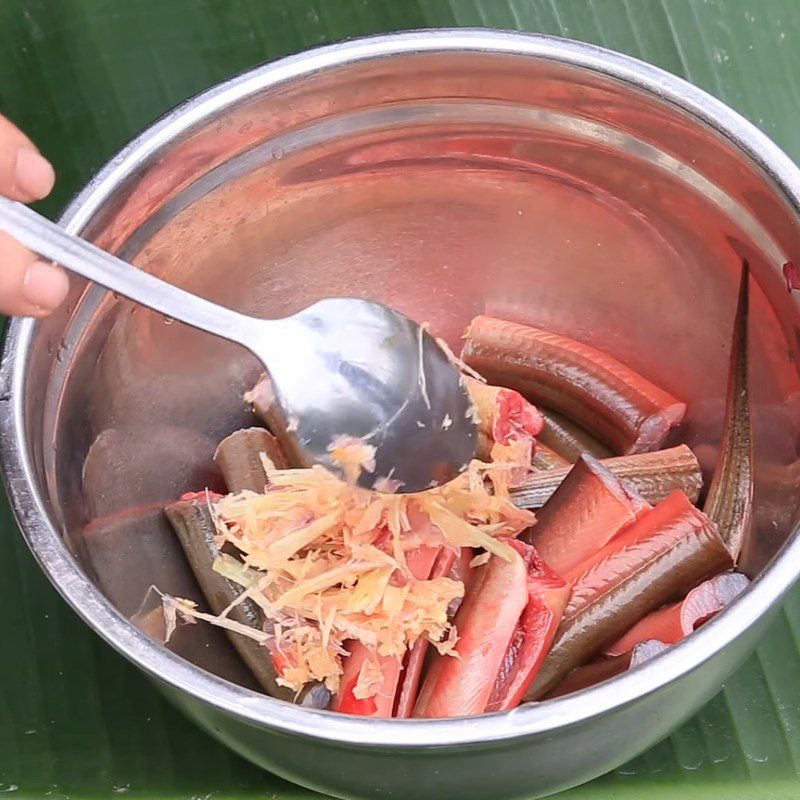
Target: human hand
(29,286)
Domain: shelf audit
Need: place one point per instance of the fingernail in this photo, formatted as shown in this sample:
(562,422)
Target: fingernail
(45,286)
(33,175)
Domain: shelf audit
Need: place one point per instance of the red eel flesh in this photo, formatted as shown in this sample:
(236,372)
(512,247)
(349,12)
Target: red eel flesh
(588,509)
(505,418)
(420,562)
(547,598)
(505,624)
(675,622)
(504,414)
(624,409)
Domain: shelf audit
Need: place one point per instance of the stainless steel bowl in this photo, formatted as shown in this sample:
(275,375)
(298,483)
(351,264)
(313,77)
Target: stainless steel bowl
(444,173)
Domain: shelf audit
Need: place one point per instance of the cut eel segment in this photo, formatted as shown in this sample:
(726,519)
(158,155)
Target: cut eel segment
(675,622)
(457,567)
(503,414)
(730,496)
(461,685)
(607,668)
(194,526)
(507,427)
(505,626)
(624,409)
(238,457)
(545,458)
(547,598)
(569,440)
(652,476)
(669,550)
(588,509)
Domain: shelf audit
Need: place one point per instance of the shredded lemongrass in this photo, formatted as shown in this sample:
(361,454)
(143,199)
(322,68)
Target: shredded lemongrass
(328,562)
(480,560)
(353,456)
(457,362)
(188,608)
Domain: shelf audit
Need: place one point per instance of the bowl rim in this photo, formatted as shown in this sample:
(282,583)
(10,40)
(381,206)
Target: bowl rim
(86,599)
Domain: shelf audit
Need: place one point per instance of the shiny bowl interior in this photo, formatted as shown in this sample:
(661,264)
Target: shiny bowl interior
(446,174)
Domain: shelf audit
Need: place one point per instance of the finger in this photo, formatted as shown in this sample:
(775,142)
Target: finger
(29,287)
(25,174)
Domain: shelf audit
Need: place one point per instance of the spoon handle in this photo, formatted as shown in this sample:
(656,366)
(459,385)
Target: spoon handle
(52,242)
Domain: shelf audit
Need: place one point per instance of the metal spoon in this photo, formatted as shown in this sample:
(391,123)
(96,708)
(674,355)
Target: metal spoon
(341,367)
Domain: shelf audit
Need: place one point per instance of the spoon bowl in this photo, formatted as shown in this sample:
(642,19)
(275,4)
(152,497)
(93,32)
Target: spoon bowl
(348,371)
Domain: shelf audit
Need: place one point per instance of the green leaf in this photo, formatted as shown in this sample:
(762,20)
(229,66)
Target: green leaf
(83,76)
